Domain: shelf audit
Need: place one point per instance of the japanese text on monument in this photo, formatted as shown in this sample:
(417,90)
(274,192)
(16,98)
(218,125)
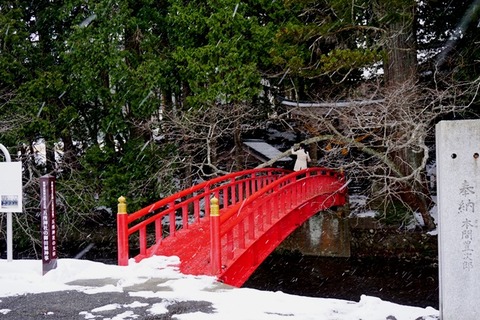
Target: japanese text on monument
(466,208)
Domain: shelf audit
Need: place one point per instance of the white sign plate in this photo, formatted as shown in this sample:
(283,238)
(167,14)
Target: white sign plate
(11,187)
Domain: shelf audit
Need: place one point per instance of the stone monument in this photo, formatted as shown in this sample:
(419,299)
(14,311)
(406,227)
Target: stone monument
(458,190)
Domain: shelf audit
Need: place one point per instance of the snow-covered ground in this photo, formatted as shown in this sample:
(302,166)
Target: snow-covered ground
(20,277)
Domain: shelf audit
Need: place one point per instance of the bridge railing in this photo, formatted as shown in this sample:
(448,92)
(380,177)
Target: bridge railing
(146,228)
(241,224)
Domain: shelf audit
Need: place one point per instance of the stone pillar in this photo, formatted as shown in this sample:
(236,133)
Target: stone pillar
(325,234)
(458,190)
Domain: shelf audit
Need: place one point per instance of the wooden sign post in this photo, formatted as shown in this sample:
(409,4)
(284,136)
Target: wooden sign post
(48,223)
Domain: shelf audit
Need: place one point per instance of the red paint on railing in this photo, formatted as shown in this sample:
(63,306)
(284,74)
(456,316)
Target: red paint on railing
(192,205)
(122,237)
(271,214)
(215,245)
(258,209)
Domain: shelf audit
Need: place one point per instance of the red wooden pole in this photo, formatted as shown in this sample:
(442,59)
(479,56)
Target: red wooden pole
(122,230)
(215,246)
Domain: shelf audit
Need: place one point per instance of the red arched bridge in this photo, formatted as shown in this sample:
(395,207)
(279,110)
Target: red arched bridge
(227,226)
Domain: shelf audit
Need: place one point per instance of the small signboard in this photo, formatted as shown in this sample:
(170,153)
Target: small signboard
(11,187)
(48,222)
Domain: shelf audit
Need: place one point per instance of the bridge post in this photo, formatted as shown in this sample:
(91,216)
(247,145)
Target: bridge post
(122,229)
(215,246)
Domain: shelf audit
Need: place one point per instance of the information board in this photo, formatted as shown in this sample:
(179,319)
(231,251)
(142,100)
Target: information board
(11,187)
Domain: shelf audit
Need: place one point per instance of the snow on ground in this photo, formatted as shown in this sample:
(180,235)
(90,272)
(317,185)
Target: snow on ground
(19,277)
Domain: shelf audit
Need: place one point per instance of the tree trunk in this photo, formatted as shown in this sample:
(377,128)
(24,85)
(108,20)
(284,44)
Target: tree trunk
(400,67)
(401,59)
(50,158)
(415,194)
(238,141)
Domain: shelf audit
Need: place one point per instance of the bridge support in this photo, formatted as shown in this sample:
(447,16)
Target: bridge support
(325,234)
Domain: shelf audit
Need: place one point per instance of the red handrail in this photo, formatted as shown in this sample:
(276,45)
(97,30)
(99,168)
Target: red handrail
(240,224)
(190,205)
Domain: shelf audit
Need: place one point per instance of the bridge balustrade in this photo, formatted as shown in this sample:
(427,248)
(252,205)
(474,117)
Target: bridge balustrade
(239,251)
(145,229)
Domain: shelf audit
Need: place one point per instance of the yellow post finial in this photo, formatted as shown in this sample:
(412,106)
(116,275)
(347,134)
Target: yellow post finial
(214,208)
(122,205)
